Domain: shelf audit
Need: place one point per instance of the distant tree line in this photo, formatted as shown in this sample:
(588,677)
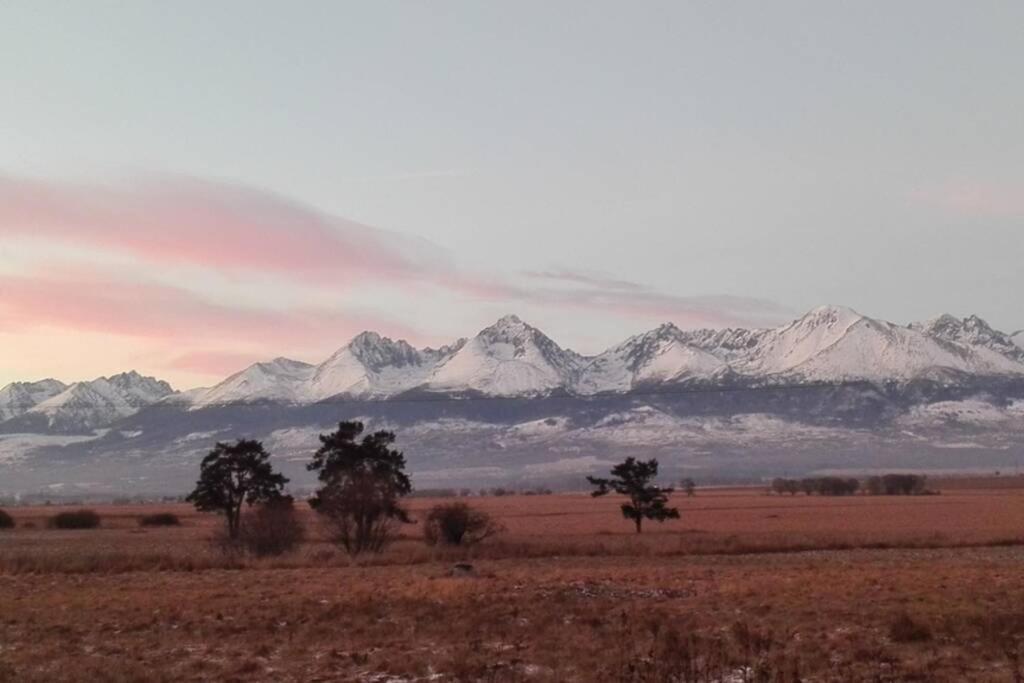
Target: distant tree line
(897,485)
(883,485)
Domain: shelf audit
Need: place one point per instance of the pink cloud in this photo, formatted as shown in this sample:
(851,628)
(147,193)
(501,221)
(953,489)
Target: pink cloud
(975,199)
(182,221)
(235,229)
(213,363)
(174,317)
(218,227)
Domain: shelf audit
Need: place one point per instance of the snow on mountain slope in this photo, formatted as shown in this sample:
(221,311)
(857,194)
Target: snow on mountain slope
(509,358)
(184,398)
(728,345)
(281,379)
(371,365)
(661,355)
(88,405)
(966,412)
(784,349)
(834,344)
(972,332)
(18,397)
(138,390)
(17,447)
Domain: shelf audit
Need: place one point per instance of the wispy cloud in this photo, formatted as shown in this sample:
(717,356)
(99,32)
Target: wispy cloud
(203,253)
(185,221)
(627,299)
(590,279)
(79,300)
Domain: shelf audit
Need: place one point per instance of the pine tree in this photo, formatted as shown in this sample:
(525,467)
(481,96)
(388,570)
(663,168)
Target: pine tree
(632,478)
(233,474)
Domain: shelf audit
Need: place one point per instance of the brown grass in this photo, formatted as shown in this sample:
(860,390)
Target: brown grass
(569,593)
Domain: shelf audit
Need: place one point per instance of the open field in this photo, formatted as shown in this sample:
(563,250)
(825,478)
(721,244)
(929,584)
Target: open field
(826,589)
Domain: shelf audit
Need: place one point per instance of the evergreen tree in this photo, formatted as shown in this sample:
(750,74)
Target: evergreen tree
(632,478)
(233,474)
(361,484)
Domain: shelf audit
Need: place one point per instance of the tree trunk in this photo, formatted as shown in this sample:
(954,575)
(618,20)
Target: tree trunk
(233,517)
(638,521)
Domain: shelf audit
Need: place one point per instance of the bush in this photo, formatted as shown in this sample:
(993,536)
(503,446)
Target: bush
(6,521)
(272,529)
(904,629)
(160,519)
(75,519)
(825,486)
(458,524)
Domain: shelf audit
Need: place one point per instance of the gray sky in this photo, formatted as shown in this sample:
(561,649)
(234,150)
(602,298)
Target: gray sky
(596,167)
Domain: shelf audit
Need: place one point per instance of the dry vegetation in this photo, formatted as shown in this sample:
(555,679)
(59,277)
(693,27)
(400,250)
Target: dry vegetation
(884,589)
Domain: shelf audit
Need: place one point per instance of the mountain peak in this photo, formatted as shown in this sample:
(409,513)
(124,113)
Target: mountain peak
(366,337)
(666,330)
(832,313)
(19,397)
(508,324)
(377,352)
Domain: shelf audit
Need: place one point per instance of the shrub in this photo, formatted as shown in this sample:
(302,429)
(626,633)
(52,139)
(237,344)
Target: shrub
(75,519)
(272,528)
(160,519)
(458,524)
(904,629)
(6,521)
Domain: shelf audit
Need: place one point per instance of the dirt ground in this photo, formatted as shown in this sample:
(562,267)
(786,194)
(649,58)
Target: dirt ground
(745,586)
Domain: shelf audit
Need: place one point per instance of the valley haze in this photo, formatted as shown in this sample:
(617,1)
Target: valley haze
(832,391)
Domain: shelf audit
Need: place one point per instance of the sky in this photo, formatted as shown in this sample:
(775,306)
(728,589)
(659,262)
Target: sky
(189,187)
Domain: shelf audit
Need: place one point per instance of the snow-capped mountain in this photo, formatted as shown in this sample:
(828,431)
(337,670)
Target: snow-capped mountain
(375,366)
(89,405)
(661,355)
(18,398)
(281,379)
(831,389)
(836,344)
(973,332)
(830,344)
(509,358)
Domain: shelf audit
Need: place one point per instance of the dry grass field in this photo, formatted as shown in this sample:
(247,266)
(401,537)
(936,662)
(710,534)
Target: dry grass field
(744,587)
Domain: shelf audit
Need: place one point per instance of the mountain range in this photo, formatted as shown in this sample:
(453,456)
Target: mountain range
(859,372)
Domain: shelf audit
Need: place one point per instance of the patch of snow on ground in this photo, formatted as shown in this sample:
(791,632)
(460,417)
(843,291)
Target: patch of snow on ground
(446,476)
(586,463)
(15,447)
(542,427)
(198,436)
(294,439)
(971,411)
